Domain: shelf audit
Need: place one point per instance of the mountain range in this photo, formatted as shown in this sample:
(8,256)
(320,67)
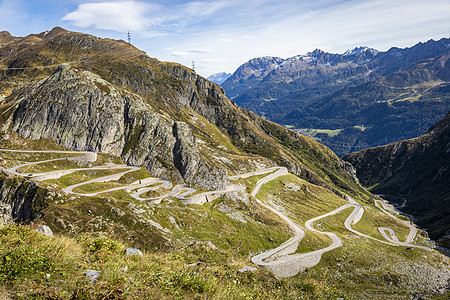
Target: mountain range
(159,115)
(350,101)
(155,185)
(218,78)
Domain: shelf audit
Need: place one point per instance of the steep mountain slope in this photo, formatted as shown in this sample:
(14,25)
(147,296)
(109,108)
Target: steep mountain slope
(146,119)
(395,94)
(417,171)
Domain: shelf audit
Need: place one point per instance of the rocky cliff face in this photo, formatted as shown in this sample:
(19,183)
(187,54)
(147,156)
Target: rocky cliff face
(21,200)
(79,110)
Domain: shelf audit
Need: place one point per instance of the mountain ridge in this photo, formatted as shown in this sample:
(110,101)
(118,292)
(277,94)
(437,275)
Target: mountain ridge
(316,87)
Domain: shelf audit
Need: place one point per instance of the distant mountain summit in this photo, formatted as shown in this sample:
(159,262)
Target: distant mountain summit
(393,95)
(219,78)
(359,50)
(263,70)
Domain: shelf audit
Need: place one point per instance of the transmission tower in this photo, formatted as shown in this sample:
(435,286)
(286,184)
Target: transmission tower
(129,37)
(193,65)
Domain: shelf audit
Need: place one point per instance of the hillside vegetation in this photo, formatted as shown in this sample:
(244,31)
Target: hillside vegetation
(415,174)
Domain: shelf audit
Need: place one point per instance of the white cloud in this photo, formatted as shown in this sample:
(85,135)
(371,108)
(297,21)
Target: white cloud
(203,8)
(229,32)
(118,16)
(141,16)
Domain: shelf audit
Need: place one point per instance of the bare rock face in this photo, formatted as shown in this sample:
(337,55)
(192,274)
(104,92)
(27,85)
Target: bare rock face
(75,109)
(81,111)
(21,199)
(188,161)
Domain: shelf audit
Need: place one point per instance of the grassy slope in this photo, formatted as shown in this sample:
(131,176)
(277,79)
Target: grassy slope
(415,170)
(192,272)
(125,222)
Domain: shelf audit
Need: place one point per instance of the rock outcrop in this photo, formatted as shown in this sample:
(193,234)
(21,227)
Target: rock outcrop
(81,111)
(21,200)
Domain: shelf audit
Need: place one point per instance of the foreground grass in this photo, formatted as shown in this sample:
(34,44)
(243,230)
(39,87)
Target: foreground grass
(35,266)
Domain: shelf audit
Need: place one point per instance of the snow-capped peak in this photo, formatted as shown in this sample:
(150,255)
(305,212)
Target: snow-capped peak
(359,50)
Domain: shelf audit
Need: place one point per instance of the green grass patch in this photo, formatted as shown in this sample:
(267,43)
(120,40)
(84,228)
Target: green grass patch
(315,132)
(156,193)
(25,157)
(131,177)
(250,182)
(371,220)
(96,187)
(82,176)
(104,158)
(302,199)
(334,223)
(50,166)
(313,241)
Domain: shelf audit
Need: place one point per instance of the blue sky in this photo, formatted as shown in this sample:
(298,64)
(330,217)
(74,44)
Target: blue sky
(220,35)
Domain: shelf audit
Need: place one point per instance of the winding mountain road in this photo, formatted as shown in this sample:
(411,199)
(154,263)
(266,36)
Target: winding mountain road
(135,189)
(282,260)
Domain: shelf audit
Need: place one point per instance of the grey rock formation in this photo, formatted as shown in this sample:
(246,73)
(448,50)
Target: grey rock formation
(20,199)
(92,275)
(81,111)
(246,269)
(76,109)
(44,229)
(133,251)
(207,243)
(349,169)
(188,161)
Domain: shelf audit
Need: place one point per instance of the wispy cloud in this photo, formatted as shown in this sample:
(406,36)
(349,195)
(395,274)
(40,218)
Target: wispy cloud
(118,16)
(141,16)
(229,32)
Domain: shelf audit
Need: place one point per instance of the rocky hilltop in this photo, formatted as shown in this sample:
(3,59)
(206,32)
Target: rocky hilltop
(416,174)
(112,97)
(79,110)
(358,99)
